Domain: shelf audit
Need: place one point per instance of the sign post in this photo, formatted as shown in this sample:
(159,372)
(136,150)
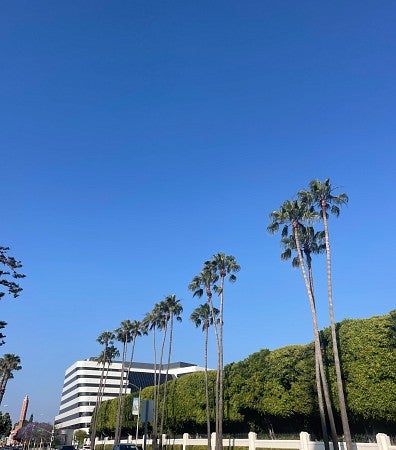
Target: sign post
(147,413)
(136,412)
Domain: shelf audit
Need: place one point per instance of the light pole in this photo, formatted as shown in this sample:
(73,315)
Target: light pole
(138,411)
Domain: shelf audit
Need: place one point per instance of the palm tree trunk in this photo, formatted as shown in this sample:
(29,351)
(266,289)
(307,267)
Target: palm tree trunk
(130,362)
(166,375)
(219,431)
(102,393)
(117,436)
(340,388)
(318,352)
(207,385)
(156,405)
(3,385)
(94,420)
(317,369)
(321,403)
(217,385)
(154,432)
(321,381)
(127,383)
(326,394)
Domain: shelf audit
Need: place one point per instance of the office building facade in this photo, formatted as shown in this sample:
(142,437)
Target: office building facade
(81,384)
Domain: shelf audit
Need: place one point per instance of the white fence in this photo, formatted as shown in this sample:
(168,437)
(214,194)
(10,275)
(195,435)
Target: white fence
(252,443)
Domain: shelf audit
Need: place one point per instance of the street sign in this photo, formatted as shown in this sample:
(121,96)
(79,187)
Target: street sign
(135,406)
(147,411)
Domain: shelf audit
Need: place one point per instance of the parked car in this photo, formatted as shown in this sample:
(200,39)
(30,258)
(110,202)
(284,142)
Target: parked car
(67,447)
(126,447)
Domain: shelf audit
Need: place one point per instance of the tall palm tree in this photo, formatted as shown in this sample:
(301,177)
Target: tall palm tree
(106,339)
(203,316)
(312,242)
(321,195)
(173,310)
(221,265)
(204,282)
(8,364)
(123,335)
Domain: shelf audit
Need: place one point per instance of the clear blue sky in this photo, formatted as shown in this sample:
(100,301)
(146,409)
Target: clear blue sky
(138,138)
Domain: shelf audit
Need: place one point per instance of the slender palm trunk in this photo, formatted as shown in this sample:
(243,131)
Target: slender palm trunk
(340,387)
(318,352)
(94,420)
(97,407)
(319,384)
(166,375)
(117,436)
(321,404)
(207,384)
(127,383)
(157,404)
(218,346)
(130,362)
(155,433)
(216,331)
(3,385)
(219,431)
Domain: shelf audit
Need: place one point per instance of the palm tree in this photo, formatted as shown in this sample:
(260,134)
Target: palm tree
(321,195)
(203,316)
(221,266)
(203,282)
(123,334)
(312,242)
(106,338)
(173,309)
(8,364)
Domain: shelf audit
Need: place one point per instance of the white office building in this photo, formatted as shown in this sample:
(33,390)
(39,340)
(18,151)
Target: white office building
(80,388)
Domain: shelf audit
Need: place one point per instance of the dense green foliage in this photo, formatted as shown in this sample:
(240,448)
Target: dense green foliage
(274,391)
(79,437)
(5,424)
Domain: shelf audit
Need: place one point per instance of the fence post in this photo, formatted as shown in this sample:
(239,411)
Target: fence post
(213,441)
(304,440)
(383,441)
(186,437)
(252,436)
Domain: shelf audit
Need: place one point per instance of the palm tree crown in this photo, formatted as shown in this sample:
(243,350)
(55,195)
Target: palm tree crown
(321,195)
(8,364)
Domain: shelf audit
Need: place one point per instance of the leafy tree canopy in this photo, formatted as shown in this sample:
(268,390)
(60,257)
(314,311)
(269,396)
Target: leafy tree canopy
(9,273)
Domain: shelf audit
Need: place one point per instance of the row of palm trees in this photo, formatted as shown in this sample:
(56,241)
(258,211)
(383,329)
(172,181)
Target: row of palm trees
(160,322)
(212,279)
(297,217)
